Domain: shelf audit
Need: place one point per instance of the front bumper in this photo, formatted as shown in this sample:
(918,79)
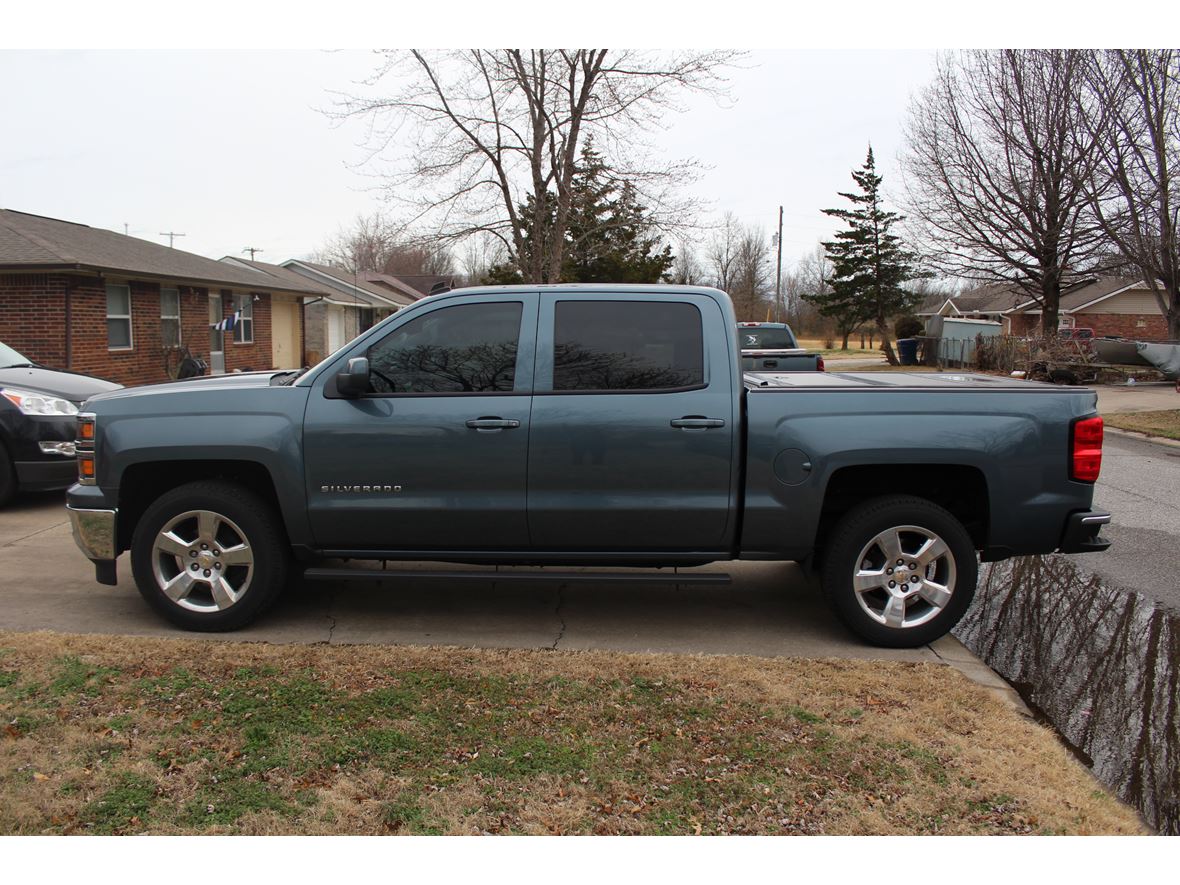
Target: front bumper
(1081,532)
(94,533)
(47,475)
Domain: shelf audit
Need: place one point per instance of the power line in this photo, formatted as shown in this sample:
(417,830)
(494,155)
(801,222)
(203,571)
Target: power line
(171,235)
(252,250)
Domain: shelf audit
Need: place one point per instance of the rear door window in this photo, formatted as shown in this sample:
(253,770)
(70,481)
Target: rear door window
(609,346)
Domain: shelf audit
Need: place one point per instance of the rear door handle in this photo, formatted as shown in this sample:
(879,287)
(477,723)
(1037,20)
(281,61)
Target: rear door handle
(491,423)
(696,422)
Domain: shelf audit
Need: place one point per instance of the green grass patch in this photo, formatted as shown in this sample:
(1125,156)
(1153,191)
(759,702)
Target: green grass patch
(125,805)
(1165,423)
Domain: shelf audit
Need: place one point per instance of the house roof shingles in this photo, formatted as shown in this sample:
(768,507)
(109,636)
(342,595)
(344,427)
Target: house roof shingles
(30,242)
(352,284)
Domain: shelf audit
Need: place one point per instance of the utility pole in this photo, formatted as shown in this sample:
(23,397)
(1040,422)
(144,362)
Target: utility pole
(171,235)
(778,276)
(252,250)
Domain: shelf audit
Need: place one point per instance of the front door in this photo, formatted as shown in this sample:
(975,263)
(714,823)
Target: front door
(633,427)
(216,336)
(284,334)
(434,456)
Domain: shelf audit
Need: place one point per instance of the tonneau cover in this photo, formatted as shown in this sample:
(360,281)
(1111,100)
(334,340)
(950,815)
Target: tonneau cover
(757,381)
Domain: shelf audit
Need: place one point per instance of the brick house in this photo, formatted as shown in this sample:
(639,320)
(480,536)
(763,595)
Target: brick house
(1111,306)
(106,304)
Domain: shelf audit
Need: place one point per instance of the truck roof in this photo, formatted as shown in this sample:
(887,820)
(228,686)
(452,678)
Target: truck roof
(589,289)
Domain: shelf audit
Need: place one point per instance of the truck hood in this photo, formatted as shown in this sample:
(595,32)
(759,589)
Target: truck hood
(67,385)
(230,381)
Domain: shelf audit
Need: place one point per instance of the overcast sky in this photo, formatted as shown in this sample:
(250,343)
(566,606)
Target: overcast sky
(230,148)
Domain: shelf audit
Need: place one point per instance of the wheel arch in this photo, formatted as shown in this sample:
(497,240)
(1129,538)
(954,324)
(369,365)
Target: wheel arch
(145,482)
(960,489)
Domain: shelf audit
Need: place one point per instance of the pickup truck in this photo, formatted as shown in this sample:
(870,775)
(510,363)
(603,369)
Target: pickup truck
(580,426)
(772,347)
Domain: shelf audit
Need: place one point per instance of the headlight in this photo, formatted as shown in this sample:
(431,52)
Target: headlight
(31,403)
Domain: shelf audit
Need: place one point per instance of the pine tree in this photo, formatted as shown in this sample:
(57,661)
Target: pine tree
(870,265)
(609,236)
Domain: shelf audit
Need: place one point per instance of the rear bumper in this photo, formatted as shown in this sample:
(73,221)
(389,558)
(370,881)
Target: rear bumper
(94,533)
(1081,532)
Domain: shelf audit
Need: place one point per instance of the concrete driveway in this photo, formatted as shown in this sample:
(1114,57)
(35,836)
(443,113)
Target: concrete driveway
(770,609)
(1148,396)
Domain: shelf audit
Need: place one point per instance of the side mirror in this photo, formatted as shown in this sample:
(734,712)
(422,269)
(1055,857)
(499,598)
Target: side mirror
(354,380)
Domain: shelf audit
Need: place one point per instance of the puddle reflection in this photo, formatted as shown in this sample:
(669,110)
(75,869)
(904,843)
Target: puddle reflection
(1099,662)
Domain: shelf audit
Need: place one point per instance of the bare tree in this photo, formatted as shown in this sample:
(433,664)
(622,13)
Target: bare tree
(686,268)
(373,244)
(721,253)
(998,160)
(752,279)
(738,259)
(487,129)
(1136,189)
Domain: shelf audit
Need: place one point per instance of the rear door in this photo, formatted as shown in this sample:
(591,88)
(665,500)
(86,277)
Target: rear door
(434,457)
(633,425)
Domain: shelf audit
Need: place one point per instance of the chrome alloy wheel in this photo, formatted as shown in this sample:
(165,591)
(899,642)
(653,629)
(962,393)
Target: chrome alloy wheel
(905,576)
(202,561)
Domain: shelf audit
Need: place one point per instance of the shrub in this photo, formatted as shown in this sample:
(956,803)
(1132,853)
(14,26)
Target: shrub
(908,326)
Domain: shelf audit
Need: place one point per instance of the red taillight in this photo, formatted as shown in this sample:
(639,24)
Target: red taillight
(819,364)
(1086,448)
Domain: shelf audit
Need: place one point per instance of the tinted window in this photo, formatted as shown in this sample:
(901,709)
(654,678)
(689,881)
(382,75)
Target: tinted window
(627,345)
(762,338)
(468,348)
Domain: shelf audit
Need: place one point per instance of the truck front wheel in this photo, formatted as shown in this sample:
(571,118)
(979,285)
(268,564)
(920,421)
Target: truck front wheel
(899,571)
(209,556)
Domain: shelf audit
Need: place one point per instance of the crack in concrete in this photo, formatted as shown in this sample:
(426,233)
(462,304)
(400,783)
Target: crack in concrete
(557,613)
(329,616)
(56,525)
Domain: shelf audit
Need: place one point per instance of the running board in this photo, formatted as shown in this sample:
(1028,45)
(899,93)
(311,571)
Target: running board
(344,574)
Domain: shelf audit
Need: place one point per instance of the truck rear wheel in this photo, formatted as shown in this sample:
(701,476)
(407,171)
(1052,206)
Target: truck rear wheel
(900,571)
(209,556)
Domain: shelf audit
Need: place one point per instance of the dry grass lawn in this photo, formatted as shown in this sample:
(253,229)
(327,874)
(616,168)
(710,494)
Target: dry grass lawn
(130,735)
(1163,423)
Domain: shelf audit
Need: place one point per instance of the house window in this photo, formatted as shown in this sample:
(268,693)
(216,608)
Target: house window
(118,317)
(170,317)
(244,324)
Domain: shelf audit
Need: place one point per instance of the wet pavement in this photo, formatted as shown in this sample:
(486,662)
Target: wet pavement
(1099,662)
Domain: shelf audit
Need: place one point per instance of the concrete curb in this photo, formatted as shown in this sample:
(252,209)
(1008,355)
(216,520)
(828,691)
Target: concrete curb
(954,654)
(1146,437)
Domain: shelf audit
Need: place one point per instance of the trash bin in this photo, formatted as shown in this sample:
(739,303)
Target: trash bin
(907,351)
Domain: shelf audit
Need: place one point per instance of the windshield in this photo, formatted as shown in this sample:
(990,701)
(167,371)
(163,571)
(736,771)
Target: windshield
(754,338)
(9,357)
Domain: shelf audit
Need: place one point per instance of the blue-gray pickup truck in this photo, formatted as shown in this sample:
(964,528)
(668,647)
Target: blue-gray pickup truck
(572,427)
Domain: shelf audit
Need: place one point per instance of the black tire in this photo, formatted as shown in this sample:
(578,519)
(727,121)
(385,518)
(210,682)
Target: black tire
(893,517)
(242,516)
(7,477)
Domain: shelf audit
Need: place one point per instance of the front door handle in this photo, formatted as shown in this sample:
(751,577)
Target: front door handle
(697,422)
(492,423)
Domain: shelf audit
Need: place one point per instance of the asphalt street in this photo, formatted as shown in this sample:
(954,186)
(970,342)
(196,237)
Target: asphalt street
(1140,486)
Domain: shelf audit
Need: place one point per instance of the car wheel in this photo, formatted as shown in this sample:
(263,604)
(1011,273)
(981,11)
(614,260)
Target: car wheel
(209,556)
(900,571)
(7,477)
